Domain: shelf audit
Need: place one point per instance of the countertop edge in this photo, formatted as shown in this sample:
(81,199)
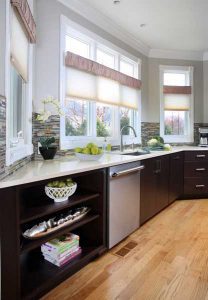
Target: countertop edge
(11,181)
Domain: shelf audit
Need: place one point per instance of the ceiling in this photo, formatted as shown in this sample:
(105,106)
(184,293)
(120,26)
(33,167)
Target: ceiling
(180,25)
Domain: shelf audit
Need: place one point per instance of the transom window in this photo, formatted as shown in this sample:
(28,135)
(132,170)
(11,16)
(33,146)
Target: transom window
(90,120)
(176,119)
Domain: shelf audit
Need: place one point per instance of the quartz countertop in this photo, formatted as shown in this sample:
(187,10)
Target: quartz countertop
(42,170)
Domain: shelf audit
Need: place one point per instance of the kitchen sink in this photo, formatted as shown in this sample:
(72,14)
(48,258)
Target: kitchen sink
(136,153)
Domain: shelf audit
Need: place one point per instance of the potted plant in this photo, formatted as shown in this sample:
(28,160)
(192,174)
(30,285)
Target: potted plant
(48,149)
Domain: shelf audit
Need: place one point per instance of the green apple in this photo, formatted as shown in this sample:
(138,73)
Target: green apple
(86,151)
(100,151)
(94,150)
(90,145)
(78,150)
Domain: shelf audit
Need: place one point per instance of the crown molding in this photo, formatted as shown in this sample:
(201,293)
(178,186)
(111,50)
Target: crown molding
(176,54)
(102,21)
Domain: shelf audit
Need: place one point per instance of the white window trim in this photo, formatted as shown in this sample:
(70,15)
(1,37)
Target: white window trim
(189,138)
(71,28)
(23,149)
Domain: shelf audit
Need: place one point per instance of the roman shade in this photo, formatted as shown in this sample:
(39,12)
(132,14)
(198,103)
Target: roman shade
(19,46)
(89,80)
(177,98)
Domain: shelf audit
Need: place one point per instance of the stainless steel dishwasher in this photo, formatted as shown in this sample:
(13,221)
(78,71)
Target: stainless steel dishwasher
(124,201)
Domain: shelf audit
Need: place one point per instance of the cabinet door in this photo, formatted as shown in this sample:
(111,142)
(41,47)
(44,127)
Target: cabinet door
(176,176)
(148,190)
(162,182)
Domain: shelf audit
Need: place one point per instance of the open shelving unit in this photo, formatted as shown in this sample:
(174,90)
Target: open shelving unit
(28,275)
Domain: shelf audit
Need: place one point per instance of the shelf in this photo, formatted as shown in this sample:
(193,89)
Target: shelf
(28,245)
(38,275)
(48,207)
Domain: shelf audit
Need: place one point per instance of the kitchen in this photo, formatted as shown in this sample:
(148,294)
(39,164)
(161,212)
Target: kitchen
(100,136)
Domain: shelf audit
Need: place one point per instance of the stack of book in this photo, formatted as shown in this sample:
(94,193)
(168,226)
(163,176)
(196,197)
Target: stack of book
(61,250)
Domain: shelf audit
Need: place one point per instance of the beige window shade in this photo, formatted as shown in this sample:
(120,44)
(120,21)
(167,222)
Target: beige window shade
(80,84)
(130,97)
(108,91)
(177,102)
(87,86)
(19,46)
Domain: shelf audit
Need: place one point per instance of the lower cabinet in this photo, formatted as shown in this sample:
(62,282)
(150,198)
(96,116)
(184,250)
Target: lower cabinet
(154,187)
(196,174)
(176,176)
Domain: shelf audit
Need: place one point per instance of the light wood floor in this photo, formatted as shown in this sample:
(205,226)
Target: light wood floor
(169,262)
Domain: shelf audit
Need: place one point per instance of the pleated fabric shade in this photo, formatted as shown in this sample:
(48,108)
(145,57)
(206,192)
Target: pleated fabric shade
(177,98)
(89,80)
(180,102)
(19,46)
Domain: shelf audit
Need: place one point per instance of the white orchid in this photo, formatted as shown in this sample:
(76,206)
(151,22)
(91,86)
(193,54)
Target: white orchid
(44,114)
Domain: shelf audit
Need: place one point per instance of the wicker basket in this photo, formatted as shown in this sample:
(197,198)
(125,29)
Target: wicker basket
(60,194)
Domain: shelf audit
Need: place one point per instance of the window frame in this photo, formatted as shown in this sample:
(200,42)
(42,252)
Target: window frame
(69,27)
(188,71)
(24,148)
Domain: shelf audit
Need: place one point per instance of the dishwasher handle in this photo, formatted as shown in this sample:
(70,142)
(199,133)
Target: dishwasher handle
(126,172)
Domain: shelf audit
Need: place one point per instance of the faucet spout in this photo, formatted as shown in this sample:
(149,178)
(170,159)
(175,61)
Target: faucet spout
(122,129)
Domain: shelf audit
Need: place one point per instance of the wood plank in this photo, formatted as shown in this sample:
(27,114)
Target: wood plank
(170,261)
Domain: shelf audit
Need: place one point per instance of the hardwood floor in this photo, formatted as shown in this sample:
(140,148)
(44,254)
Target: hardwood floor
(169,262)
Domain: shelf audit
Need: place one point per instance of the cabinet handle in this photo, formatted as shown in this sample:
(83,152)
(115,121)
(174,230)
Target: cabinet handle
(200,169)
(199,185)
(200,155)
(176,157)
(126,172)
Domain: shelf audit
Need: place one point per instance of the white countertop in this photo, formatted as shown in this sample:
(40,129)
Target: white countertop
(41,170)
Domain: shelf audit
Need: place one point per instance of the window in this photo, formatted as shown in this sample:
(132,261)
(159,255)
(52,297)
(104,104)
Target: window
(105,58)
(77,46)
(104,120)
(176,122)
(19,89)
(17,93)
(77,121)
(87,120)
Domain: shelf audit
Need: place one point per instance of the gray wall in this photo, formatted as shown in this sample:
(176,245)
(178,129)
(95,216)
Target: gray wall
(153,107)
(205,78)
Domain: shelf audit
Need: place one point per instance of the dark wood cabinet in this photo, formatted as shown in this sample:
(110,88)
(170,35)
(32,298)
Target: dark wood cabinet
(148,189)
(154,187)
(176,176)
(162,182)
(25,273)
(195,174)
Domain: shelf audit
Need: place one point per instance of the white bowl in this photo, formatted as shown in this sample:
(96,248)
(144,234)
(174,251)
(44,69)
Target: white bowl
(88,157)
(60,194)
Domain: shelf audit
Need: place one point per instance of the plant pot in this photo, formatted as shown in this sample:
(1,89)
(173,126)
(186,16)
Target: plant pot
(48,153)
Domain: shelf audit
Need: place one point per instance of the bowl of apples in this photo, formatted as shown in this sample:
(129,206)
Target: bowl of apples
(60,190)
(89,153)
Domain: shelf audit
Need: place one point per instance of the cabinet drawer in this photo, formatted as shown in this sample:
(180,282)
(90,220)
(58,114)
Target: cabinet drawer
(195,186)
(196,156)
(196,169)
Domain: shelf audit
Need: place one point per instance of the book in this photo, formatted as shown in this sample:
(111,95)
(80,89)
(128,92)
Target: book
(59,251)
(61,244)
(63,261)
(56,255)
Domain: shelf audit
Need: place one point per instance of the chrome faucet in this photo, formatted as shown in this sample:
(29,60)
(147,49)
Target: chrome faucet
(134,131)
